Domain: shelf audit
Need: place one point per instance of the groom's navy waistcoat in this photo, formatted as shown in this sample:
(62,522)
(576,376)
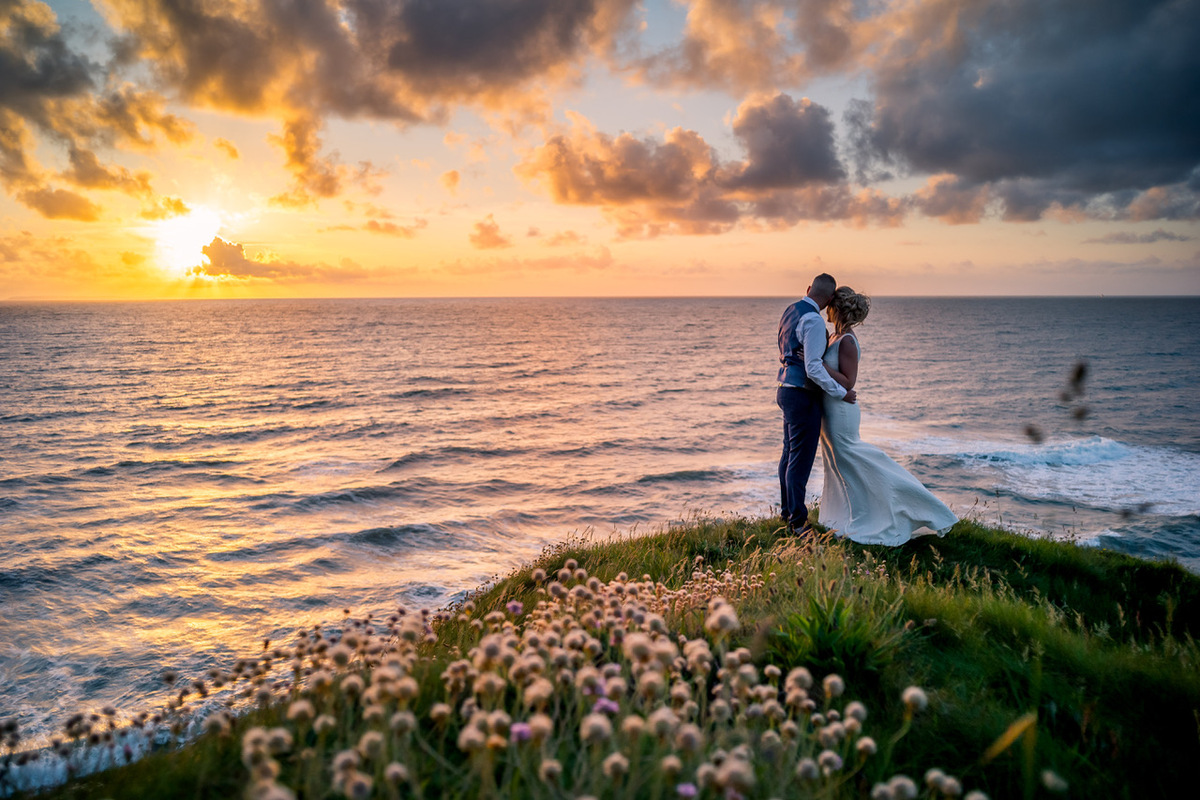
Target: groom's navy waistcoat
(791,349)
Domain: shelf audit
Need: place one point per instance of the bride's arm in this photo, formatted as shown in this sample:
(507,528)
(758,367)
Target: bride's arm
(848,361)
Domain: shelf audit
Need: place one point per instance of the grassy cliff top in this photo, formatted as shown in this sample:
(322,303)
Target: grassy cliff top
(726,659)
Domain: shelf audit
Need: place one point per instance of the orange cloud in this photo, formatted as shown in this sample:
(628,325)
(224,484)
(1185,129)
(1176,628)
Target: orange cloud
(487,236)
(450,179)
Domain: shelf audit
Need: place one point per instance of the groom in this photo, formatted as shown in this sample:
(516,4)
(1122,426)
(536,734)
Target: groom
(803,382)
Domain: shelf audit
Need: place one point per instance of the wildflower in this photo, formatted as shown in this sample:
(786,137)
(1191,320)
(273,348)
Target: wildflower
(687,790)
(834,686)
(689,738)
(396,773)
(217,723)
(300,711)
(914,699)
(856,710)
(499,722)
(357,786)
(615,766)
(671,766)
(539,692)
(736,774)
(550,771)
(373,714)
(403,722)
(934,779)
(770,744)
(440,713)
(540,726)
(865,747)
(515,607)
(279,740)
(720,710)
(651,684)
(1053,781)
(903,787)
(722,619)
(976,795)
(663,722)
(799,678)
(324,724)
(320,680)
(706,775)
(406,688)
(371,744)
(346,761)
(772,672)
(605,706)
(539,575)
(881,791)
(829,761)
(520,732)
(595,728)
(951,787)
(632,726)
(352,685)
(471,740)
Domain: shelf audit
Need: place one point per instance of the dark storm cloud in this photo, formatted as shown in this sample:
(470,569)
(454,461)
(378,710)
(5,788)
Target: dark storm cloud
(788,143)
(1051,103)
(790,174)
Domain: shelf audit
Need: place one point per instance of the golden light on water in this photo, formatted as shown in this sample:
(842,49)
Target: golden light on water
(180,240)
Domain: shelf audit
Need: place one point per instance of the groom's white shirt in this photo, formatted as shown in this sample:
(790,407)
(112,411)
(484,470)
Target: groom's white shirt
(811,331)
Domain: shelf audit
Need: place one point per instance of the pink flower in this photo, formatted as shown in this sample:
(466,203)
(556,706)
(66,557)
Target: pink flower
(687,790)
(515,607)
(605,706)
(520,732)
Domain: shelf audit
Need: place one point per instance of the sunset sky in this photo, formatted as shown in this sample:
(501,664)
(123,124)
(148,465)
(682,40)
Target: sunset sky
(354,148)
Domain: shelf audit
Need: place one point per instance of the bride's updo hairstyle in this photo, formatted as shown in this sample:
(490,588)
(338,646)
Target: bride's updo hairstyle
(851,307)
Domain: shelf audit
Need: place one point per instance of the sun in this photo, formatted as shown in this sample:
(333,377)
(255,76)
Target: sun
(180,239)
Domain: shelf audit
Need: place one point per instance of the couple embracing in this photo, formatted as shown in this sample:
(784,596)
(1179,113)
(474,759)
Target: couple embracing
(867,496)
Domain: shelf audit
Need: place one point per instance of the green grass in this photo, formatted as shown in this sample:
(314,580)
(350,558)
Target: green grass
(1099,646)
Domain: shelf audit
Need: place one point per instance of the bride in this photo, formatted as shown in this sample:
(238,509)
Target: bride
(867,496)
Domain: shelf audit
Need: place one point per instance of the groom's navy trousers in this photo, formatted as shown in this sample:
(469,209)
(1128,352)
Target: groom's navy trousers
(801,434)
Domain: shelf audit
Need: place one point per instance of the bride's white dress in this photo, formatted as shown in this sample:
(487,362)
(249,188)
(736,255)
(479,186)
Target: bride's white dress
(867,496)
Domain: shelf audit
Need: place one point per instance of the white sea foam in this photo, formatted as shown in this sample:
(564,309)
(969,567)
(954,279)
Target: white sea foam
(1097,472)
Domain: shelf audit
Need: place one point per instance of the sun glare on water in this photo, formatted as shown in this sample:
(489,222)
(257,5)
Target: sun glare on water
(180,239)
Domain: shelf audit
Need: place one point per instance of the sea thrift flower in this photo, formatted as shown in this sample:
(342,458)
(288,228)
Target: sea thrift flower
(834,686)
(440,712)
(829,761)
(865,747)
(371,744)
(914,699)
(403,722)
(615,766)
(595,728)
(976,795)
(550,771)
(856,710)
(605,706)
(687,790)
(520,732)
(324,724)
(881,791)
(396,773)
(1053,781)
(722,619)
(799,678)
(540,726)
(934,779)
(903,787)
(671,766)
(515,607)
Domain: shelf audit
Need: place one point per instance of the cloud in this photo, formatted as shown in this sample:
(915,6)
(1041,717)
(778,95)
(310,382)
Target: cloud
(166,208)
(227,147)
(392,229)
(60,204)
(679,185)
(87,171)
(788,143)
(450,179)
(229,260)
(1124,237)
(1083,105)
(52,95)
(565,239)
(486,235)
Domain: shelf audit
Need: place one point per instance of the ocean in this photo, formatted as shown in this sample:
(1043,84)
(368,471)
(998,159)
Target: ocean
(181,480)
